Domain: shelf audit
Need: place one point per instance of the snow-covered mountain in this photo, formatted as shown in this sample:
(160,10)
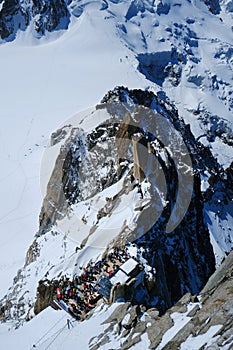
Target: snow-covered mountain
(62,57)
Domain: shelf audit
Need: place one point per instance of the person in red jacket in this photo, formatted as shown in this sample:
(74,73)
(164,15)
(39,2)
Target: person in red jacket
(58,293)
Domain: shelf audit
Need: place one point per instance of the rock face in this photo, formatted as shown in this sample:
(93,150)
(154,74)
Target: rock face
(12,17)
(49,15)
(122,291)
(44,16)
(138,172)
(32,253)
(54,203)
(183,257)
(212,315)
(176,254)
(213,5)
(45,294)
(216,310)
(161,65)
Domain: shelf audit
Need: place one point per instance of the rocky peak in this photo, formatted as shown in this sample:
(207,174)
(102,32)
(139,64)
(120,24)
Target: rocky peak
(183,258)
(48,15)
(193,322)
(45,16)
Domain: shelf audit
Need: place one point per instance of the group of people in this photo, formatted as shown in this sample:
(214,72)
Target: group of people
(80,294)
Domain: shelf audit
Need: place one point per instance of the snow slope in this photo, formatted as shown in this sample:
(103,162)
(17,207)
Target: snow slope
(44,82)
(52,330)
(42,85)
(49,330)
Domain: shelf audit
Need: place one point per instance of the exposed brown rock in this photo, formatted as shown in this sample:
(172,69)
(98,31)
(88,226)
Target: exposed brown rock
(123,141)
(45,293)
(119,313)
(138,172)
(54,203)
(32,253)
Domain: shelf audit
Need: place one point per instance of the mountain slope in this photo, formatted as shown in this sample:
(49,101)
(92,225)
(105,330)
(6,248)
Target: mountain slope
(61,57)
(115,204)
(190,324)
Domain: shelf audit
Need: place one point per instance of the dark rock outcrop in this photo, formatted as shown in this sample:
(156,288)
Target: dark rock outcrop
(32,253)
(161,65)
(213,313)
(46,16)
(45,294)
(213,5)
(183,258)
(49,16)
(12,18)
